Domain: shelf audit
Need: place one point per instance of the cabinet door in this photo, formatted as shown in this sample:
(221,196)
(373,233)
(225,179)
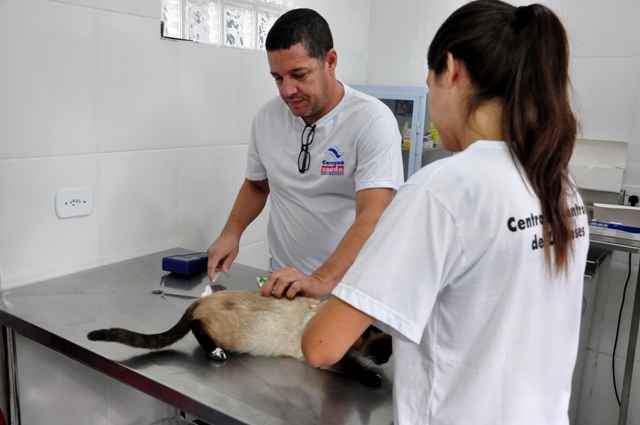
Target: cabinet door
(403,111)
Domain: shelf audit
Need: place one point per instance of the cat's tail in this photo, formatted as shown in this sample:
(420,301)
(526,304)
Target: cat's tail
(139,340)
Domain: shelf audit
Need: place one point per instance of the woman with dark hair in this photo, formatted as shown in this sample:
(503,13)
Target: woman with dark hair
(476,267)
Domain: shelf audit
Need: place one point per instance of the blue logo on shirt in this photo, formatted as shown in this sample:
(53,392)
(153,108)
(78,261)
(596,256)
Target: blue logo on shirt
(335,152)
(333,164)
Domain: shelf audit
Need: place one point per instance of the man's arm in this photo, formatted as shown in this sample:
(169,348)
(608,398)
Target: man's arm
(289,282)
(248,204)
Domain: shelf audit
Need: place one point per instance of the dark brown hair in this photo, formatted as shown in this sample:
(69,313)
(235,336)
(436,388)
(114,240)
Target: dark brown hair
(521,56)
(304,26)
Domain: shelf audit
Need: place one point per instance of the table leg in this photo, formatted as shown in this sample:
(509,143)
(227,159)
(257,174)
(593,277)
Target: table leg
(631,355)
(12,369)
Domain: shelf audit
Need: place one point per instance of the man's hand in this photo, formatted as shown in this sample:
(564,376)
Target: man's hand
(289,282)
(221,254)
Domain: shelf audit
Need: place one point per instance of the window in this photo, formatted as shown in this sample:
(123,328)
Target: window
(240,23)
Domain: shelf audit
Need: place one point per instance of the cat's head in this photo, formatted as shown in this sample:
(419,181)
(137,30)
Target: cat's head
(375,345)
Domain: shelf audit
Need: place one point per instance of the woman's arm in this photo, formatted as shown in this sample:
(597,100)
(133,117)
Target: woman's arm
(331,332)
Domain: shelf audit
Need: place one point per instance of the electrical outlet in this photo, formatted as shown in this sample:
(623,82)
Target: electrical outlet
(74,202)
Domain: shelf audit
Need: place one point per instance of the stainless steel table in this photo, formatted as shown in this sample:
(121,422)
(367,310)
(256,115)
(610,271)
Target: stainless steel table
(59,312)
(632,246)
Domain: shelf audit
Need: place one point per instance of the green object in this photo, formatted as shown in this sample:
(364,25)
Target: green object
(261,280)
(435,135)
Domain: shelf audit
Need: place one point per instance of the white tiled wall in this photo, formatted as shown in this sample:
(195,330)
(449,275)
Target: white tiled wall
(148,8)
(605,65)
(34,242)
(4,86)
(605,95)
(51,74)
(90,96)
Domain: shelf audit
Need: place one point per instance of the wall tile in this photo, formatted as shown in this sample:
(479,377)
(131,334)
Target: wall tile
(208,183)
(255,255)
(603,40)
(4,86)
(220,89)
(163,94)
(633,154)
(351,40)
(136,90)
(136,208)
(632,174)
(605,96)
(600,31)
(399,40)
(35,243)
(635,130)
(149,8)
(51,65)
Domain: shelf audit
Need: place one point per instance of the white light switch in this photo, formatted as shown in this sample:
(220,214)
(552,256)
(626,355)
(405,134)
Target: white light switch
(74,202)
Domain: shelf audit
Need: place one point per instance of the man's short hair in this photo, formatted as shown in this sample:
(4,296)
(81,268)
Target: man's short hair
(304,26)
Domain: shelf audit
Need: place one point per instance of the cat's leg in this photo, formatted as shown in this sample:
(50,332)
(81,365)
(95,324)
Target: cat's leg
(352,367)
(207,343)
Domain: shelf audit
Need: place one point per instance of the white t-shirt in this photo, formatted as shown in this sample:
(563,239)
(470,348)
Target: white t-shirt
(356,146)
(483,333)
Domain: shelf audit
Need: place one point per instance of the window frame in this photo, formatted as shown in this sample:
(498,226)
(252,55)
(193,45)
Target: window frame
(256,6)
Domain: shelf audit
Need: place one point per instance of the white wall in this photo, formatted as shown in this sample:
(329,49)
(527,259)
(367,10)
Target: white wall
(93,97)
(605,64)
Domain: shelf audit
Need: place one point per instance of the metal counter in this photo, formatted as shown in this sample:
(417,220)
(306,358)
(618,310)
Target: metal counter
(58,314)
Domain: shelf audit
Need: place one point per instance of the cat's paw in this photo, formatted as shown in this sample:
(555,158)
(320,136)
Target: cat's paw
(218,355)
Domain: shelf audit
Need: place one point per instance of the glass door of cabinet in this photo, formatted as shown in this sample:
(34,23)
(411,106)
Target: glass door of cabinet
(403,110)
(408,105)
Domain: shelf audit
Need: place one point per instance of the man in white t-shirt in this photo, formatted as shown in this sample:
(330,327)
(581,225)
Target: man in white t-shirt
(328,155)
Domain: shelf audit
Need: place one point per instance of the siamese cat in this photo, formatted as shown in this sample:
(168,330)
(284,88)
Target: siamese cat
(247,322)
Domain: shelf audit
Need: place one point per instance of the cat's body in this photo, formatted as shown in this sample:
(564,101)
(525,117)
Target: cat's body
(246,322)
(276,325)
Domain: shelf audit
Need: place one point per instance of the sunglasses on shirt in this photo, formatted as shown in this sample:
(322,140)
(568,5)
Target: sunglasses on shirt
(306,139)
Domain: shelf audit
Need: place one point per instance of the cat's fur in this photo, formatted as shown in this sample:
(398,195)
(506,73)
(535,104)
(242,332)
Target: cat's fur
(246,322)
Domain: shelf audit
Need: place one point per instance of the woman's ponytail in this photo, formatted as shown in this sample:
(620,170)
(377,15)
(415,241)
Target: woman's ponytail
(521,55)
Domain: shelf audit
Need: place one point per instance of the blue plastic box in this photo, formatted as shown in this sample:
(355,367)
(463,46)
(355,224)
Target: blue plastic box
(186,264)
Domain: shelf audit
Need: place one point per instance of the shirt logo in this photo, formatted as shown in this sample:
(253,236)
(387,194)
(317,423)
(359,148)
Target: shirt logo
(333,162)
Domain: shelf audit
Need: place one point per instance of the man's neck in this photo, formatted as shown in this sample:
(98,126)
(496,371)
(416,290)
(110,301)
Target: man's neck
(336,93)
